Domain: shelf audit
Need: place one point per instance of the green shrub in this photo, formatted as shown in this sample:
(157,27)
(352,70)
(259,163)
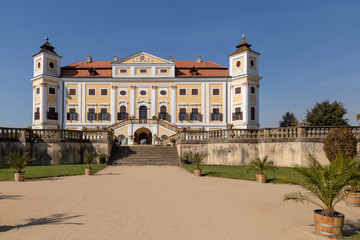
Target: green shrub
(340,141)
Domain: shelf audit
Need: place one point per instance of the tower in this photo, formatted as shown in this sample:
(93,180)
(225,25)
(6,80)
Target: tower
(47,88)
(244,88)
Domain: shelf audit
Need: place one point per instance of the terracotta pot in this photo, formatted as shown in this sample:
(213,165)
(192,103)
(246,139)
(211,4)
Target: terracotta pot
(330,227)
(353,199)
(197,172)
(88,171)
(19,177)
(261,178)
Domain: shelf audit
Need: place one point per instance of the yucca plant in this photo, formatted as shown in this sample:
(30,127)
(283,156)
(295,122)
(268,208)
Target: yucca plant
(198,157)
(19,161)
(326,185)
(89,158)
(260,165)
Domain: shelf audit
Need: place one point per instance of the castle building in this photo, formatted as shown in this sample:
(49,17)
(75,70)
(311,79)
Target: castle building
(144,96)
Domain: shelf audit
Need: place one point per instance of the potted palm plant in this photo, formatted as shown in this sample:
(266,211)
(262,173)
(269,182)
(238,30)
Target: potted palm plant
(198,157)
(102,157)
(260,165)
(88,159)
(326,186)
(18,162)
(352,197)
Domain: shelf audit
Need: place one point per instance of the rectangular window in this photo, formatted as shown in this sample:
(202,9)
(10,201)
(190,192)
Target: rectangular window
(37,90)
(52,115)
(92,92)
(104,92)
(37,114)
(163,70)
(182,114)
(103,114)
(252,113)
(216,92)
(216,114)
(72,91)
(72,114)
(252,90)
(91,114)
(52,90)
(194,92)
(182,91)
(123,71)
(194,114)
(142,70)
(238,90)
(237,115)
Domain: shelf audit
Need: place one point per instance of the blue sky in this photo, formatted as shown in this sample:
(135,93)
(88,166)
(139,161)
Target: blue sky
(309,49)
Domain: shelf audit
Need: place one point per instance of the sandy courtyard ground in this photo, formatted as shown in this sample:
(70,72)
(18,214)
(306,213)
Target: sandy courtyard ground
(153,203)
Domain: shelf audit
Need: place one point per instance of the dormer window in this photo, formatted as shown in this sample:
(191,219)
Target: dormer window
(143,70)
(92,71)
(163,70)
(194,71)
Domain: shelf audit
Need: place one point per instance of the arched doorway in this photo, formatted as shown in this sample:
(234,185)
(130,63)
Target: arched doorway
(143,133)
(143,112)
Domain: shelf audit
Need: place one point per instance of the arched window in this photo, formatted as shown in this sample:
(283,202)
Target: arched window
(164,136)
(163,114)
(122,115)
(143,112)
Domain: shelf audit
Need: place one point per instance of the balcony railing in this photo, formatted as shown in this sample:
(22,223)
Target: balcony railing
(72,116)
(104,117)
(36,115)
(164,116)
(122,116)
(236,116)
(52,115)
(216,117)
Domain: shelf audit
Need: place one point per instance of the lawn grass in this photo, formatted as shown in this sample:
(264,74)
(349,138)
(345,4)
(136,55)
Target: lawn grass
(239,172)
(353,237)
(33,172)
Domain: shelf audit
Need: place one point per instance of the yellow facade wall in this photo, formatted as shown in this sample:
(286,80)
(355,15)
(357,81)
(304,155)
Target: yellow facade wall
(96,100)
(164,131)
(137,71)
(241,59)
(152,60)
(118,72)
(73,98)
(253,98)
(124,131)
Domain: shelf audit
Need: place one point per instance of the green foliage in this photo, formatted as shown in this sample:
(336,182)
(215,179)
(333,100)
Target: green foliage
(186,157)
(89,158)
(172,140)
(327,114)
(358,117)
(340,141)
(102,157)
(325,184)
(198,157)
(289,120)
(18,161)
(260,165)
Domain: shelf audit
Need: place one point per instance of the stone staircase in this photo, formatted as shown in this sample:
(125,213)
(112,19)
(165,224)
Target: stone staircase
(144,155)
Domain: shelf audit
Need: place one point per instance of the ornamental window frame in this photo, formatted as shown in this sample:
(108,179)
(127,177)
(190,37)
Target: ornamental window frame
(182,89)
(107,92)
(89,92)
(143,89)
(198,92)
(74,90)
(163,89)
(212,92)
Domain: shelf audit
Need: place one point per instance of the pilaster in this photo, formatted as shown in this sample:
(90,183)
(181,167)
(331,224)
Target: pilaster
(204,90)
(132,101)
(257,110)
(83,102)
(153,101)
(113,104)
(231,100)
(246,102)
(224,103)
(34,105)
(173,103)
(43,103)
(59,98)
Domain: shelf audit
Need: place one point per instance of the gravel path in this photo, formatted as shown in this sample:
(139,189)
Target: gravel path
(153,202)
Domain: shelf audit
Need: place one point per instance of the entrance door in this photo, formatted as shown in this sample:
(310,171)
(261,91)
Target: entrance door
(143,138)
(143,112)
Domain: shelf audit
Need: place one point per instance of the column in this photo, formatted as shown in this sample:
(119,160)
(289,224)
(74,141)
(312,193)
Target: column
(246,102)
(43,103)
(132,101)
(204,111)
(79,109)
(153,102)
(173,103)
(257,110)
(59,103)
(224,103)
(231,103)
(83,103)
(34,104)
(113,104)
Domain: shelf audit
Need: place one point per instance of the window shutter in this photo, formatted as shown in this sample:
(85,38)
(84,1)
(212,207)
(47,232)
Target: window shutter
(68,116)
(220,117)
(76,116)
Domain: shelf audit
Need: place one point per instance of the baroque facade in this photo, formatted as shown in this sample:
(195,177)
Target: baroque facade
(143,96)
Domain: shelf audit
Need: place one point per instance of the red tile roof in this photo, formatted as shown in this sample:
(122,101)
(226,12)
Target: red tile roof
(182,69)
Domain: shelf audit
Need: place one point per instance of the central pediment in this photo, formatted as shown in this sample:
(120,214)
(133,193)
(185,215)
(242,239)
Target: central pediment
(143,65)
(143,58)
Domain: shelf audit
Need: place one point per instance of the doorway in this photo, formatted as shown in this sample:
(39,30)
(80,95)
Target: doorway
(143,112)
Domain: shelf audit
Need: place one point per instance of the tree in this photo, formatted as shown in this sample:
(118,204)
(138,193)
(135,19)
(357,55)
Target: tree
(289,120)
(327,114)
(358,117)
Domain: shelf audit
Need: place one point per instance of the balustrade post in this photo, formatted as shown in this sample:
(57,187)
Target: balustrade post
(301,132)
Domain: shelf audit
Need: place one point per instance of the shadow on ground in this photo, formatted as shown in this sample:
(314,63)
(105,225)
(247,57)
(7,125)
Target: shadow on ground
(53,219)
(351,227)
(15,197)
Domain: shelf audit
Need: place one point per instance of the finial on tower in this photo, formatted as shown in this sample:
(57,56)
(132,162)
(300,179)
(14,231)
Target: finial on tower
(243,36)
(47,38)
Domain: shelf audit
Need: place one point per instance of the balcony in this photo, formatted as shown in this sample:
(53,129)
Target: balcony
(216,117)
(195,117)
(237,116)
(121,116)
(104,117)
(52,115)
(164,116)
(71,116)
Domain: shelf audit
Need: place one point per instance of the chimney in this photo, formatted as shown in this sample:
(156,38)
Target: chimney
(115,58)
(198,59)
(89,59)
(171,58)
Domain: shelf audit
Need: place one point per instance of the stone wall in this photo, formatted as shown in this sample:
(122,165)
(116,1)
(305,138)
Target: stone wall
(285,146)
(53,146)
